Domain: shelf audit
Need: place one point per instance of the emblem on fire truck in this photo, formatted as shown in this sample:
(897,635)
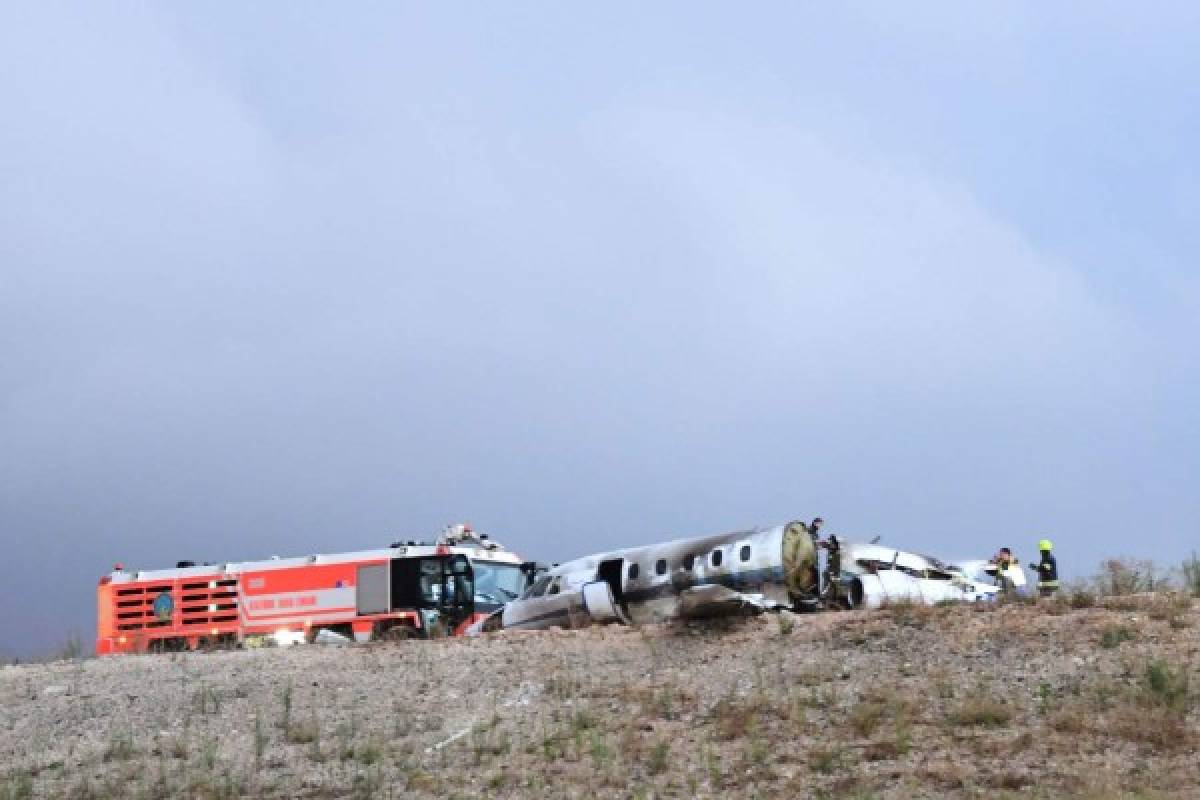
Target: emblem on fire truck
(163,606)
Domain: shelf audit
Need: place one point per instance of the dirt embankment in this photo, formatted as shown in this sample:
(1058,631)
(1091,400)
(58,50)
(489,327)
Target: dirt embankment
(906,702)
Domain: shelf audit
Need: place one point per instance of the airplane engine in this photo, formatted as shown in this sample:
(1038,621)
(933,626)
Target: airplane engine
(878,589)
(875,590)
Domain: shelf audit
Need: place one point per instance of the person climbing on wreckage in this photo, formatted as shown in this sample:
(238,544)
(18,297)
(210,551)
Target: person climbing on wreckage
(831,594)
(825,583)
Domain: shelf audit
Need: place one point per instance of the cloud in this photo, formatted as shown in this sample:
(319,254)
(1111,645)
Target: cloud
(340,292)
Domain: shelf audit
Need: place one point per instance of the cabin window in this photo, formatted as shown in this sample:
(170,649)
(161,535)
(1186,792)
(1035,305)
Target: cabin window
(661,566)
(716,558)
(745,552)
(633,572)
(689,562)
(554,588)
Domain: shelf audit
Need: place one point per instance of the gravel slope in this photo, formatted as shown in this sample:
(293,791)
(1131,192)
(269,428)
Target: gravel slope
(908,702)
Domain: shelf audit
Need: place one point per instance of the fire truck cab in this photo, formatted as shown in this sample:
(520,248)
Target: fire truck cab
(408,589)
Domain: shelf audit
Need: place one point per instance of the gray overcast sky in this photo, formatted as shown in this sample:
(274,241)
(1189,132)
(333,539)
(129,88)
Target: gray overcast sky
(298,278)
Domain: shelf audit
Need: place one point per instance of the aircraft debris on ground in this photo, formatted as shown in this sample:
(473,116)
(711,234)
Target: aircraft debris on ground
(739,573)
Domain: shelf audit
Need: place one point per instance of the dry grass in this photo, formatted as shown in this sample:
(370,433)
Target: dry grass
(736,717)
(1114,635)
(1126,576)
(981,709)
(908,702)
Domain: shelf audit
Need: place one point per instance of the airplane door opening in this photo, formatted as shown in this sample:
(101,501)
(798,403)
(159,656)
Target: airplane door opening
(610,572)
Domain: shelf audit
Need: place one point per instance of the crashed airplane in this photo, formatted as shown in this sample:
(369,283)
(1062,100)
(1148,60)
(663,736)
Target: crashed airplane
(731,573)
(727,573)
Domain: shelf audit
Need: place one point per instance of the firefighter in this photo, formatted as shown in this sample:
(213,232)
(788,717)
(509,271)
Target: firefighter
(833,571)
(814,528)
(1003,560)
(814,533)
(1047,569)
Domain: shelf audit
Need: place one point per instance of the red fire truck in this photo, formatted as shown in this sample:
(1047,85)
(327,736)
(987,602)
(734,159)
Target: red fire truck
(404,590)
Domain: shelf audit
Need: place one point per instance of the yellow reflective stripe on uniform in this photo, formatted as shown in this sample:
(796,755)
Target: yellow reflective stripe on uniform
(1048,584)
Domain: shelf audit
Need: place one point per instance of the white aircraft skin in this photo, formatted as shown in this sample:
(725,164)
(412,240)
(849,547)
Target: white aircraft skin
(983,572)
(705,576)
(730,573)
(876,575)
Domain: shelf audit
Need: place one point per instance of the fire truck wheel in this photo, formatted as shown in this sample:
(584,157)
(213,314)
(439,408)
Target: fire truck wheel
(398,633)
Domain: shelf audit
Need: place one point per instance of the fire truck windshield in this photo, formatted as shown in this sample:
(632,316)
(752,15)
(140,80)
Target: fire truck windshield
(496,584)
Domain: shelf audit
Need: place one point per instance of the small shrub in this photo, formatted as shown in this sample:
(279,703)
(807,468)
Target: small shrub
(825,760)
(882,750)
(909,614)
(1021,742)
(1115,635)
(120,745)
(260,740)
(1165,687)
(895,747)
(1155,712)
(370,753)
(1125,576)
(656,762)
(1170,607)
(1069,721)
(712,765)
(206,700)
(757,751)
(19,786)
(366,784)
(734,717)
(943,686)
(1045,697)
(285,699)
(982,711)
(1191,575)
(179,748)
(903,736)
(582,720)
(1008,780)
(553,747)
(1159,727)
(303,732)
(866,716)
(787,623)
(877,704)
(71,649)
(208,753)
(599,750)
(1080,597)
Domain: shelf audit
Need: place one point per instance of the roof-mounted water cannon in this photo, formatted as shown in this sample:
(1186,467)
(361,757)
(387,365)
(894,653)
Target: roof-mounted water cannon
(463,535)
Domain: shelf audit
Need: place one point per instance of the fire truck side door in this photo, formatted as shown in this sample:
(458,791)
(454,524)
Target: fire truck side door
(458,587)
(445,583)
(410,583)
